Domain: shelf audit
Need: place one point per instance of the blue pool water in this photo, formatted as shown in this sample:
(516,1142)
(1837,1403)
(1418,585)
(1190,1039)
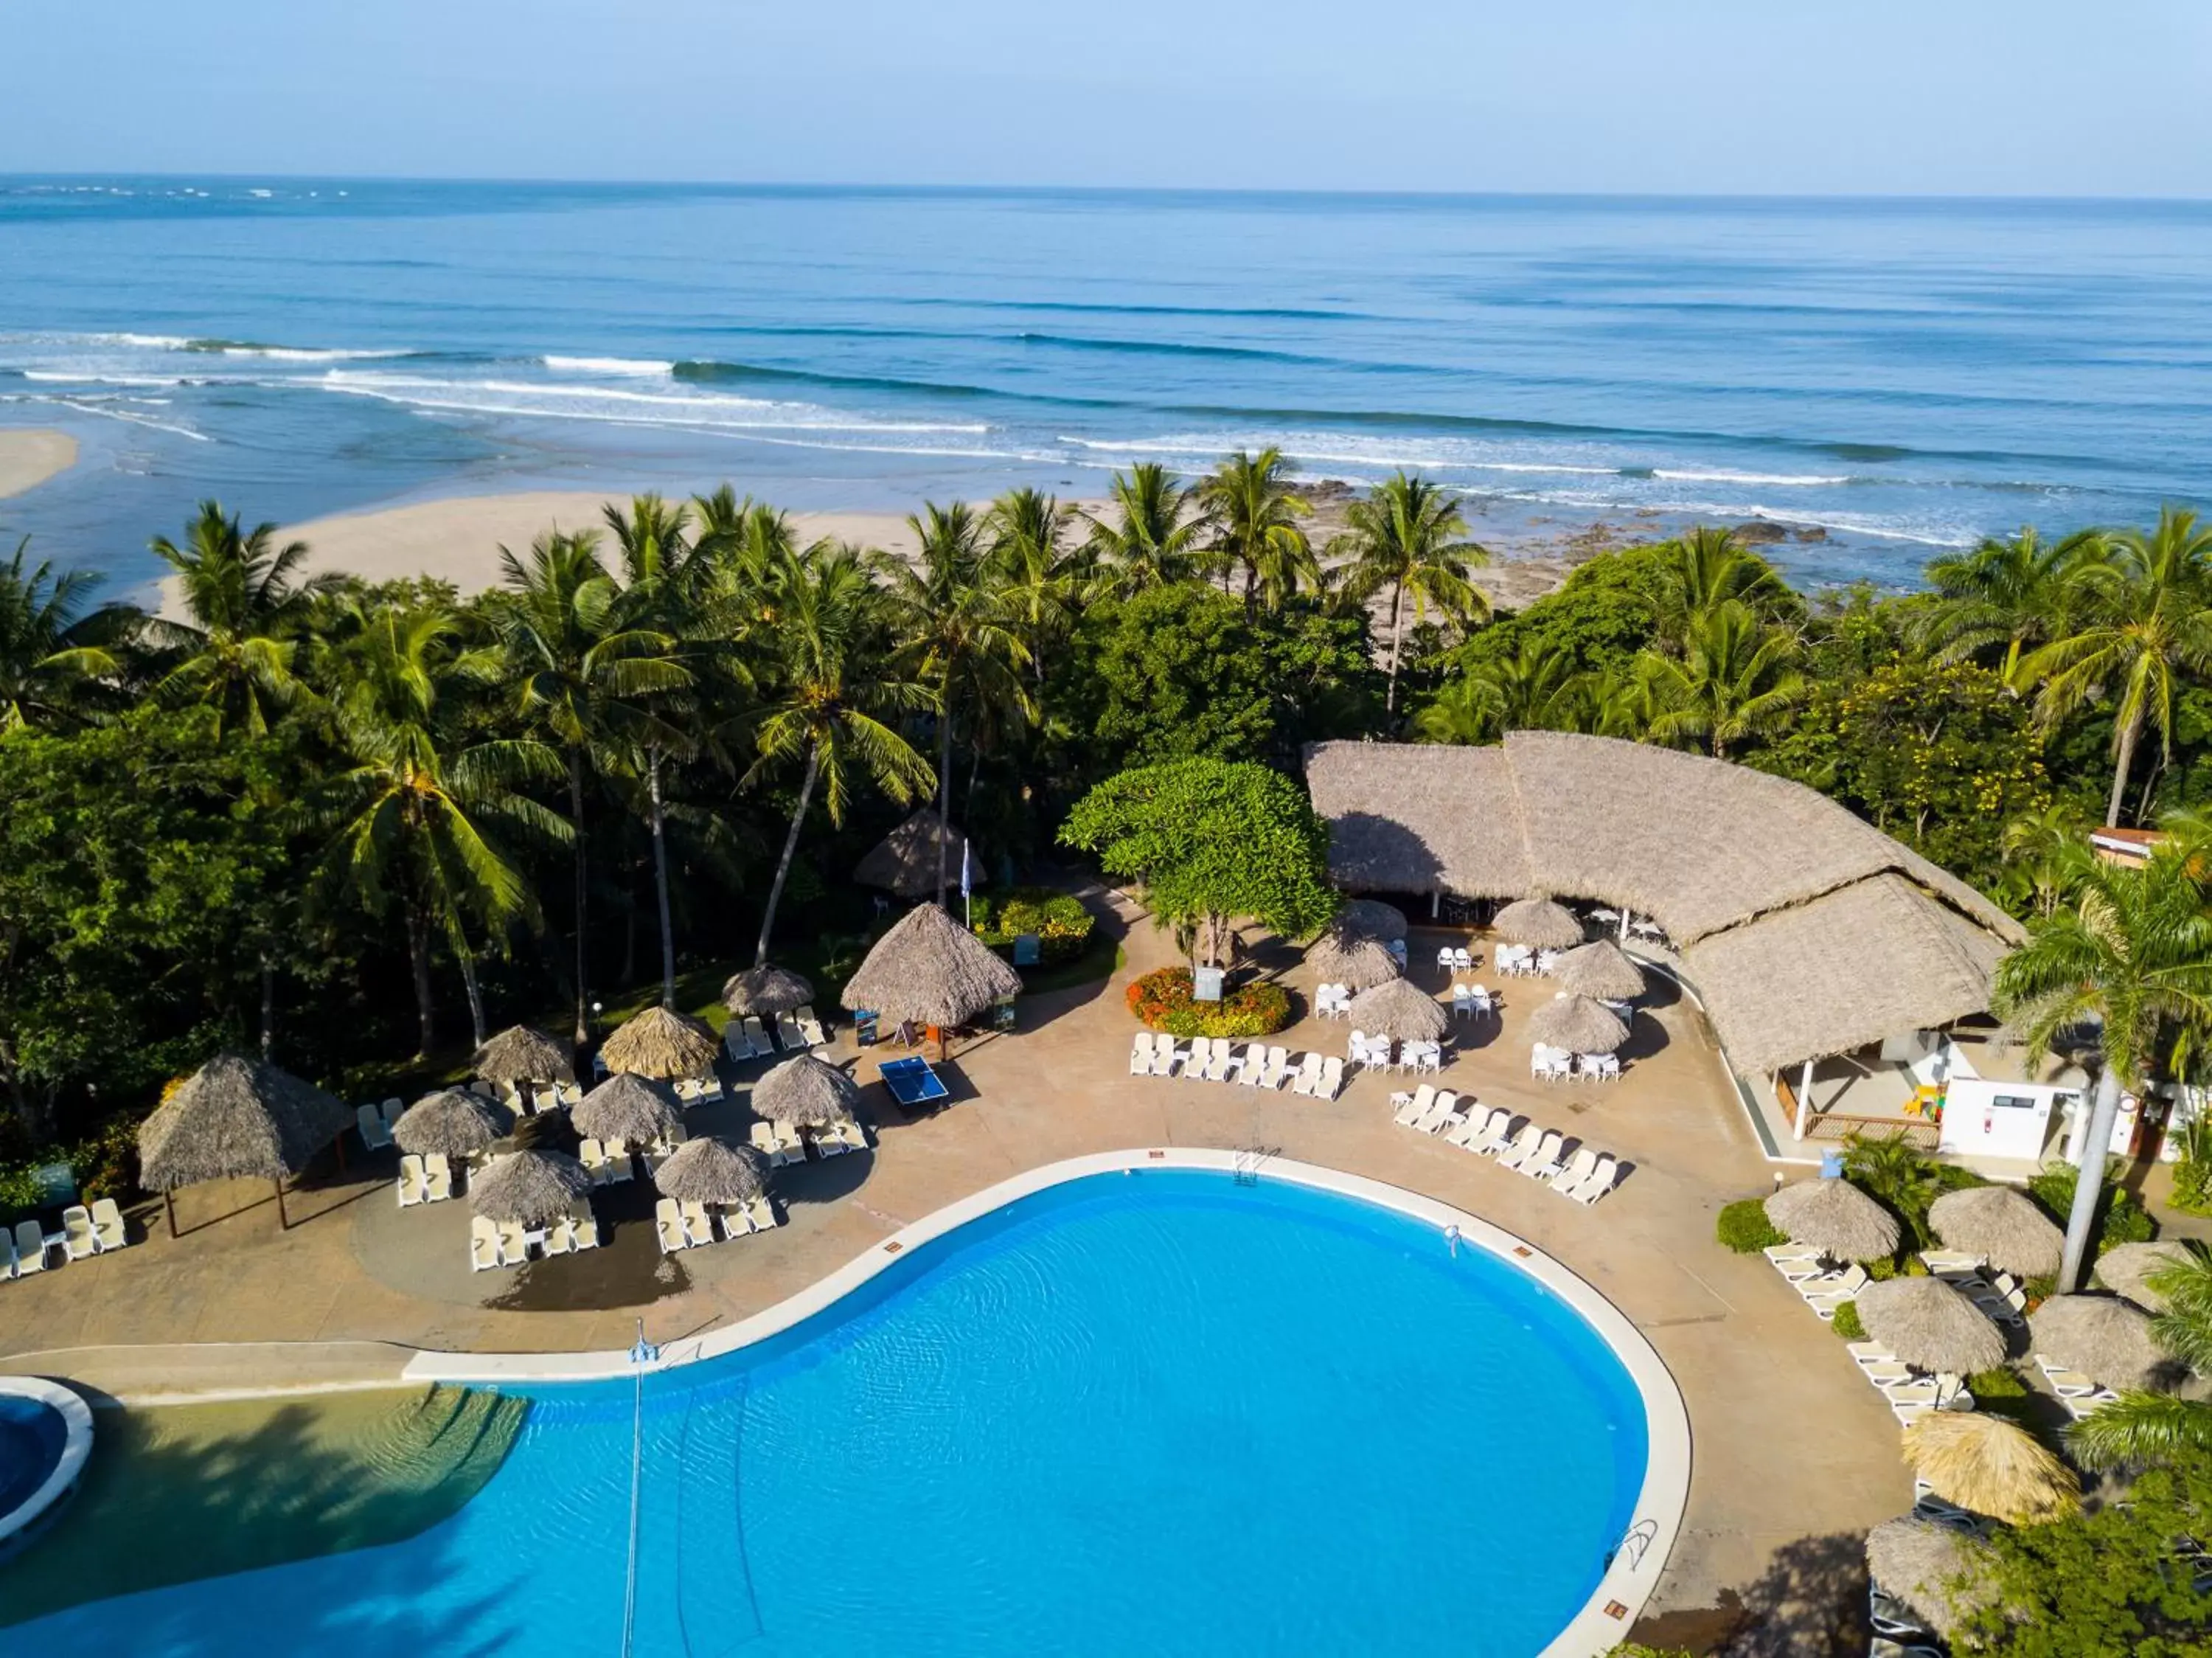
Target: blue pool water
(32,1435)
(1163,1413)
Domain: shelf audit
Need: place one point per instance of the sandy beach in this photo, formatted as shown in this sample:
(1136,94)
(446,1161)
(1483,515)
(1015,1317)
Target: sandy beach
(29,457)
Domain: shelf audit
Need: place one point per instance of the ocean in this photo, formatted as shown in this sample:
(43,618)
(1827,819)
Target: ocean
(1887,378)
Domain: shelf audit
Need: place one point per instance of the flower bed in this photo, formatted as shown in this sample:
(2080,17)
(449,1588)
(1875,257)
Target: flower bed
(1162,1001)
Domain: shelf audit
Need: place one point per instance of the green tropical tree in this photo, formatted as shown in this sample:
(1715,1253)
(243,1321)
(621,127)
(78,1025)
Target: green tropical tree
(2013,593)
(1254,513)
(1154,537)
(1044,581)
(2042,846)
(53,645)
(1535,689)
(1737,680)
(1406,535)
(654,541)
(2142,1427)
(1708,567)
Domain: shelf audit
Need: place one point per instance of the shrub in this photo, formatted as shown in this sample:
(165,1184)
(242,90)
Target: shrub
(2004,1382)
(2121,1217)
(2193,1169)
(1846,1323)
(1061,923)
(1744,1228)
(1162,1000)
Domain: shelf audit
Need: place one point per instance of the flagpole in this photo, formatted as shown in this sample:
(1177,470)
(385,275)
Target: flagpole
(967,901)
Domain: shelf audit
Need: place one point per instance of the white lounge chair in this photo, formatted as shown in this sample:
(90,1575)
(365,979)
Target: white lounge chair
(437,1178)
(1545,1161)
(588,1224)
(1218,1062)
(30,1248)
(1523,1146)
(370,1121)
(734,1043)
(850,1134)
(484,1244)
(761,1214)
(698,1225)
(756,1037)
(811,1029)
(561,1236)
(1485,1131)
(1411,1107)
(1442,1115)
(514,1243)
(787,1033)
(107,1224)
(1308,1076)
(79,1241)
(668,1222)
(414,1186)
(1578,1168)
(1140,1054)
(1598,1182)
(1332,1077)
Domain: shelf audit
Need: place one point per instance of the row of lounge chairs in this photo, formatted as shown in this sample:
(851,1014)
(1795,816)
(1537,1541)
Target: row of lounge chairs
(428,1179)
(691,1225)
(1215,1059)
(85,1233)
(508,1243)
(1550,1065)
(1910,1393)
(1999,1295)
(1584,1174)
(781,1141)
(543,1097)
(2079,1394)
(795,1033)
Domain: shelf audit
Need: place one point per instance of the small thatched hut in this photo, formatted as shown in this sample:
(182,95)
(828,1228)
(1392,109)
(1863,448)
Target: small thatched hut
(1578,1024)
(1944,1574)
(766,990)
(929,970)
(520,1055)
(1369,917)
(237,1119)
(2127,1269)
(534,1187)
(904,861)
(2105,1338)
(1355,961)
(2002,1226)
(1836,1218)
(1993,1466)
(1400,1010)
(810,1092)
(628,1110)
(709,1171)
(1929,1326)
(1537,921)
(658,1043)
(1600,969)
(451,1122)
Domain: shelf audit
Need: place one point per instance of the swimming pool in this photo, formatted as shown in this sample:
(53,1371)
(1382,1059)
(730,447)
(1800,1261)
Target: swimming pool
(1167,1413)
(45,1435)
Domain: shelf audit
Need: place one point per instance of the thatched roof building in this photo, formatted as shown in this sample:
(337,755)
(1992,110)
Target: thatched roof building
(451,1122)
(2002,1226)
(930,970)
(709,1171)
(658,1043)
(523,1054)
(237,1119)
(1539,922)
(1354,959)
(1930,1325)
(1369,917)
(2105,1338)
(904,861)
(1944,1574)
(534,1187)
(1601,968)
(628,1110)
(1835,1217)
(810,1092)
(1403,1011)
(2127,1269)
(766,990)
(1807,931)
(1578,1024)
(1990,1466)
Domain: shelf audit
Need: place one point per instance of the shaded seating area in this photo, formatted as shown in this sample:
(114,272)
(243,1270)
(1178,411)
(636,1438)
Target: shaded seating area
(238,1118)
(764,997)
(809,1103)
(710,1191)
(929,972)
(661,1045)
(442,1131)
(529,1201)
(1575,1037)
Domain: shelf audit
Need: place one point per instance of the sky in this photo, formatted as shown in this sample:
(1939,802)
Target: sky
(2029,97)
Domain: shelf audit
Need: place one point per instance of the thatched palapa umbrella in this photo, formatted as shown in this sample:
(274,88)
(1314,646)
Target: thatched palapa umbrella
(1600,969)
(1577,1024)
(767,989)
(1944,1574)
(521,1054)
(1929,1325)
(2103,1337)
(904,861)
(534,1187)
(929,970)
(1990,1465)
(235,1118)
(2002,1226)
(658,1043)
(1401,1011)
(810,1092)
(1539,922)
(709,1171)
(2127,1269)
(628,1110)
(451,1122)
(1368,918)
(1354,959)
(1838,1219)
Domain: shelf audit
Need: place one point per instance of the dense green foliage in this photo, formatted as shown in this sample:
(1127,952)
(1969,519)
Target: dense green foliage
(1845,1323)
(1058,920)
(1743,1227)
(1162,1000)
(2120,1217)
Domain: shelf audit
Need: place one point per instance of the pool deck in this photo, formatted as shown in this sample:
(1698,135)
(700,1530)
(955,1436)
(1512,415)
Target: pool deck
(1794,1458)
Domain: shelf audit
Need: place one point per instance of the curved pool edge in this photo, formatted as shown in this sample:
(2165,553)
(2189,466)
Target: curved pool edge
(1641,1557)
(19,1524)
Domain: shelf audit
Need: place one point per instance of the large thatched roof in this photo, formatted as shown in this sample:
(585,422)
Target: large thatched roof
(904,861)
(658,1043)
(2127,1269)
(805,1090)
(1577,1024)
(2105,1338)
(1807,931)
(237,1116)
(1835,1217)
(1369,917)
(2002,1226)
(534,1187)
(930,970)
(1403,1011)
(1930,1325)
(1351,958)
(770,989)
(627,1109)
(1537,921)
(709,1171)
(1944,1574)
(451,1122)
(522,1054)
(1601,968)
(1990,1466)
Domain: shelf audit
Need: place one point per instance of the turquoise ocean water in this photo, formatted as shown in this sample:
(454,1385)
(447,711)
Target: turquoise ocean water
(1904,377)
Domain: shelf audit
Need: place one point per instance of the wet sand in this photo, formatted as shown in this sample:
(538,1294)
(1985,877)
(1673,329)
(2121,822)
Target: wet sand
(29,457)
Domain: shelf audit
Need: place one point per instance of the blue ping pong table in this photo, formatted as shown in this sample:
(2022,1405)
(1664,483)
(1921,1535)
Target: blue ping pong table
(911,1081)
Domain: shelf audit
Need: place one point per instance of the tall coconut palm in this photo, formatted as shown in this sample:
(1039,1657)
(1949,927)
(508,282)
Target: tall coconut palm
(1535,689)
(2130,952)
(2141,1427)
(1154,536)
(831,687)
(1406,535)
(2013,593)
(1707,567)
(1256,514)
(1042,579)
(1737,680)
(52,645)
(652,538)
(2144,619)
(2041,846)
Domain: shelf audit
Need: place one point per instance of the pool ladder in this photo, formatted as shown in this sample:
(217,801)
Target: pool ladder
(1245,1170)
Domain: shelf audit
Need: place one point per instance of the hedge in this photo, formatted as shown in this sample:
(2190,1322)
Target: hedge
(1846,1323)
(1061,923)
(1744,1228)
(1162,1001)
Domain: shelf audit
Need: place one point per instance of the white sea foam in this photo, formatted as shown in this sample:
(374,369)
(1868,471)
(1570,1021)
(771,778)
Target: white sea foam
(642,367)
(107,412)
(615,406)
(1790,478)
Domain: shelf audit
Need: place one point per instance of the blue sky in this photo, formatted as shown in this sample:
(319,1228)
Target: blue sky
(1877,96)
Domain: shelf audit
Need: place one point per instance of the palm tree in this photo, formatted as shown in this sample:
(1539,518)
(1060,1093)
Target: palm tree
(832,686)
(1613,702)
(2141,1427)
(1405,535)
(1709,567)
(1042,581)
(1904,1178)
(1535,689)
(2042,845)
(1737,680)
(2014,593)
(244,614)
(653,539)
(1157,537)
(50,645)
(1256,516)
(2145,618)
(2131,952)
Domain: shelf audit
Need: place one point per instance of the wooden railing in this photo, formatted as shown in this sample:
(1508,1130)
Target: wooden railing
(1841,1125)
